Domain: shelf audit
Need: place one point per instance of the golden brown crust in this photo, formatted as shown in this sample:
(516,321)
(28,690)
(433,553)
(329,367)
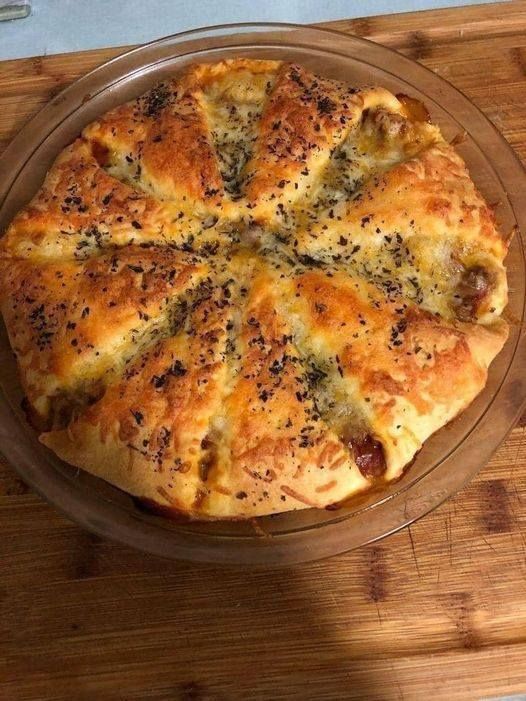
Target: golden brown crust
(253,289)
(148,432)
(183,429)
(418,226)
(81,209)
(282,454)
(72,323)
(304,119)
(405,371)
(162,142)
(181,137)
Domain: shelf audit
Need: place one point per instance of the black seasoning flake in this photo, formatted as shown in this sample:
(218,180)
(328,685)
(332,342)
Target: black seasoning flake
(315,375)
(138,416)
(295,76)
(156,100)
(158,381)
(177,369)
(277,366)
(326,105)
(211,192)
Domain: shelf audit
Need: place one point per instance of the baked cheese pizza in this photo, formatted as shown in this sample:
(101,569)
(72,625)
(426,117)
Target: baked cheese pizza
(251,290)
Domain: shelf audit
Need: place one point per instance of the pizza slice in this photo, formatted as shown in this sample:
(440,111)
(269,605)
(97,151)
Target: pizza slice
(160,143)
(80,209)
(233,94)
(72,324)
(153,431)
(388,374)
(305,117)
(420,229)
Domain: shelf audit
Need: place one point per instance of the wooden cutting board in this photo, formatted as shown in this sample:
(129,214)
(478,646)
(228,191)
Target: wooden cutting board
(437,611)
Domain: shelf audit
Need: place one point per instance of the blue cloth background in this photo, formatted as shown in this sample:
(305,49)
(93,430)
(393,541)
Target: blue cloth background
(57,26)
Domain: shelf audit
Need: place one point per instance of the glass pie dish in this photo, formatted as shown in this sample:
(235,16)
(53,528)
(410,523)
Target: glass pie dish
(448,459)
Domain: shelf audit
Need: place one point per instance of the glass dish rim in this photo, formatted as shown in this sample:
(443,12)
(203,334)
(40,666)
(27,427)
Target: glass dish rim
(124,535)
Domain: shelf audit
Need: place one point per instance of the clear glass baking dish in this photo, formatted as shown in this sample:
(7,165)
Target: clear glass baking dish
(447,461)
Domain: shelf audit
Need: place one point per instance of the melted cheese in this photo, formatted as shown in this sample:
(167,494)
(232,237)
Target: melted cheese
(233,105)
(290,282)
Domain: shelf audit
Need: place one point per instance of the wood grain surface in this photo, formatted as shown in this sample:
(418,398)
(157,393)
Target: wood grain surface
(437,611)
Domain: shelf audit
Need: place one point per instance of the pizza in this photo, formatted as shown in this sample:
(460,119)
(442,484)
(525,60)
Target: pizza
(252,290)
